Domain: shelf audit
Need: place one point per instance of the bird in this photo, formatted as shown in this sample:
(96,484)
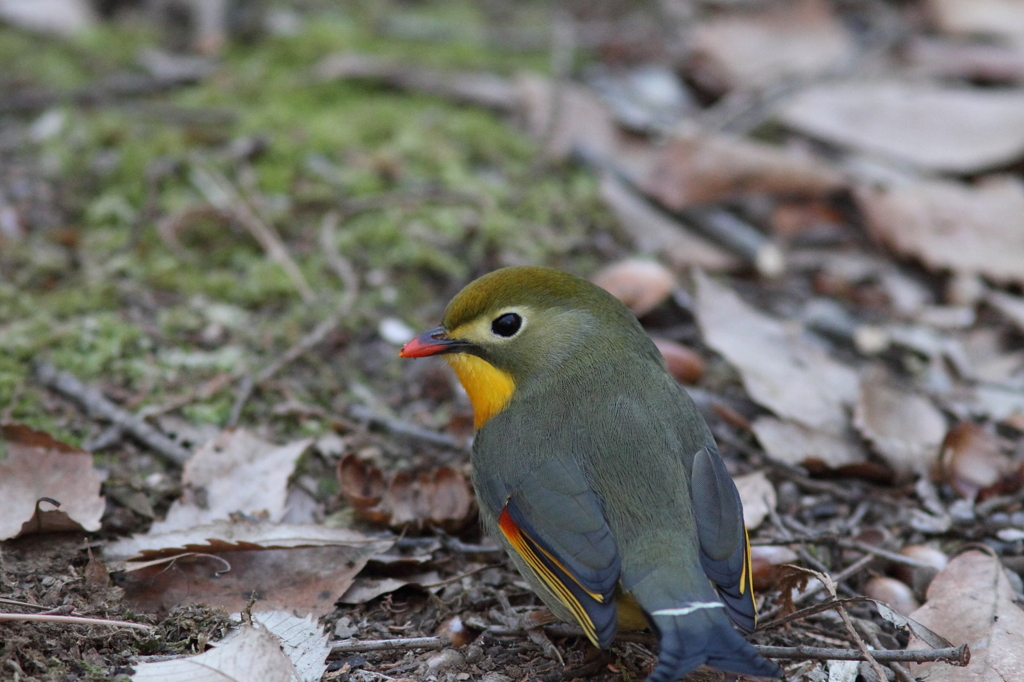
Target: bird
(595,471)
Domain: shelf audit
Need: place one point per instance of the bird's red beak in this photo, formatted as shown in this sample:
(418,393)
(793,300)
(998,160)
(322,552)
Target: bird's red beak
(432,342)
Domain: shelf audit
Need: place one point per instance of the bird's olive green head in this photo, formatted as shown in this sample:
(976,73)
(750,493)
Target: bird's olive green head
(530,321)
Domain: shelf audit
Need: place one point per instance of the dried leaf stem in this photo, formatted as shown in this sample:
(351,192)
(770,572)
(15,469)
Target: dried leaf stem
(958,656)
(98,405)
(72,620)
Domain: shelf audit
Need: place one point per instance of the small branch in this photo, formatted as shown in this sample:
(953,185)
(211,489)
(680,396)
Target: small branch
(884,553)
(115,86)
(850,570)
(353,646)
(223,196)
(347,274)
(98,405)
(401,428)
(830,585)
(74,620)
(959,656)
(739,237)
(478,89)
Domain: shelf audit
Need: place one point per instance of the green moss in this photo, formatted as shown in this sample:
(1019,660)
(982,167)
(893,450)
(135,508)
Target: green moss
(111,305)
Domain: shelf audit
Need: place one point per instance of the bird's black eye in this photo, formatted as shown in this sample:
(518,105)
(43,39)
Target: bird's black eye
(507,325)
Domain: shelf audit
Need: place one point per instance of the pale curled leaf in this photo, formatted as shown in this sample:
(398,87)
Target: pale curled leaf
(228,535)
(303,569)
(970,18)
(302,640)
(235,472)
(957,130)
(758,49)
(792,443)
(905,428)
(364,589)
(38,467)
(699,168)
(971,601)
(950,225)
(780,368)
(758,496)
(254,654)
(565,116)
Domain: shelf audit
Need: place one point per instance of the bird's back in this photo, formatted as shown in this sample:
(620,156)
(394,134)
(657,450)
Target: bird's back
(635,436)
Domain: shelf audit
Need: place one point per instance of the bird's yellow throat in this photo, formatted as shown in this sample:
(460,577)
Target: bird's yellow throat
(488,387)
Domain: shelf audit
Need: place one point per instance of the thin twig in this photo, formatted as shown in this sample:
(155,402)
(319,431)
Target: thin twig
(830,585)
(347,274)
(563,45)
(352,646)
(959,656)
(884,553)
(901,673)
(850,570)
(73,620)
(401,428)
(115,86)
(222,195)
(98,405)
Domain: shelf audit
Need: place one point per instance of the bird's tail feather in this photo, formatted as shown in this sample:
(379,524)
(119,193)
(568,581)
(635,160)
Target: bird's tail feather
(693,627)
(701,633)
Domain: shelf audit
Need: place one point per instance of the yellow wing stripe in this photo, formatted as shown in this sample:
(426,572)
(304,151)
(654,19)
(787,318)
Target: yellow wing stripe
(522,544)
(747,575)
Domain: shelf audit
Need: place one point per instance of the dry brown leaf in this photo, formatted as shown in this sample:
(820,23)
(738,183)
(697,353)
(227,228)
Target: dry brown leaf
(795,444)
(791,217)
(234,473)
(653,232)
(440,498)
(758,496)
(641,284)
(756,50)
(695,169)
(920,577)
(953,226)
(984,62)
(972,461)
(364,589)
(38,466)
(766,564)
(254,654)
(893,592)
(971,601)
(780,368)
(684,364)
(956,130)
(580,119)
(1002,18)
(231,535)
(905,428)
(294,568)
